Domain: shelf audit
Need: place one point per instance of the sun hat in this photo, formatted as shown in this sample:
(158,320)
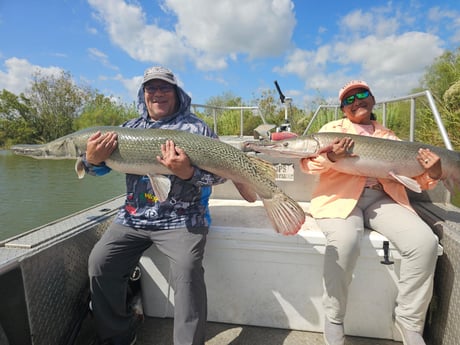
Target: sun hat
(158,72)
(353,84)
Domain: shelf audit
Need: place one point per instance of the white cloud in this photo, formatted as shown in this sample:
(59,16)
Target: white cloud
(406,53)
(208,38)
(141,41)
(437,16)
(92,30)
(301,63)
(130,84)
(393,64)
(369,46)
(18,74)
(102,57)
(357,21)
(258,28)
(379,21)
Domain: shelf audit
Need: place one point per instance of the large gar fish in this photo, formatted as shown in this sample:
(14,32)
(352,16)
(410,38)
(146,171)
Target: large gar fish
(137,151)
(373,157)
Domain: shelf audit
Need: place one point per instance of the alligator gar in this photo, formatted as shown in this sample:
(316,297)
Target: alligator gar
(369,156)
(137,151)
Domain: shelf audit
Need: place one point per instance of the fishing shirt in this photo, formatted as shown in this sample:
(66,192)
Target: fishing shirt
(187,201)
(336,194)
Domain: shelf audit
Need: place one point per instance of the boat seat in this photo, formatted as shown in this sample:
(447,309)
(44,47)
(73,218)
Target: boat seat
(257,277)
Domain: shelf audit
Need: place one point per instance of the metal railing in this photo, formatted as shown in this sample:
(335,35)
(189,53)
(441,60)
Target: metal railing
(215,109)
(384,104)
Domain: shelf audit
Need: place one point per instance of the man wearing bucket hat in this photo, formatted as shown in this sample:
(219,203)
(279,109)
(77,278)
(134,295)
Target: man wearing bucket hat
(344,204)
(178,226)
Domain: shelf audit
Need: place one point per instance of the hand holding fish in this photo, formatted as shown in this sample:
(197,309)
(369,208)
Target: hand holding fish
(430,162)
(176,160)
(100,147)
(340,149)
(373,157)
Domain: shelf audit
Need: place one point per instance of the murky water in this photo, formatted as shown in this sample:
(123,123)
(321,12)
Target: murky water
(35,192)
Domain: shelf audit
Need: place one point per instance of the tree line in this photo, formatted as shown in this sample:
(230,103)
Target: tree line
(54,106)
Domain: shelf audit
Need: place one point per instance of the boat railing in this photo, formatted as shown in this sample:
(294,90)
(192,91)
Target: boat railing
(384,105)
(216,109)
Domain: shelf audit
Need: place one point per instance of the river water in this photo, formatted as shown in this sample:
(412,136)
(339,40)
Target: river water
(34,192)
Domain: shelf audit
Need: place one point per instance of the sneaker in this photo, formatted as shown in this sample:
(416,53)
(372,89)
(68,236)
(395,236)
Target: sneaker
(409,337)
(333,333)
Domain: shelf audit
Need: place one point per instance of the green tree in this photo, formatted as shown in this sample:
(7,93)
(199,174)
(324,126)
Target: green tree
(275,112)
(442,78)
(103,111)
(15,114)
(271,108)
(443,73)
(57,102)
(229,120)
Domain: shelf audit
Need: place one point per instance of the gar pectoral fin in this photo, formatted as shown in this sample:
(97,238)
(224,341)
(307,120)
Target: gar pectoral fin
(80,168)
(246,191)
(161,186)
(285,213)
(407,182)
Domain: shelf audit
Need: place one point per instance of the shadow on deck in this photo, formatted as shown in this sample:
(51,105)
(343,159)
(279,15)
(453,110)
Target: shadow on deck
(158,331)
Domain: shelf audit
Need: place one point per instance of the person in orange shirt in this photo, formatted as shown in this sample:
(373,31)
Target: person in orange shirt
(343,205)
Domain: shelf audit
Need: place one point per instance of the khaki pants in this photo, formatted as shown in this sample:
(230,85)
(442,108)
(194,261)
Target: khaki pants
(412,237)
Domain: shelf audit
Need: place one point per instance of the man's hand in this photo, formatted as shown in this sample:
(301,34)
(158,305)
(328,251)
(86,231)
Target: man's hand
(100,146)
(175,159)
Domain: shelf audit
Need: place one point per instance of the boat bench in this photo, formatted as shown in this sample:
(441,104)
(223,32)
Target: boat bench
(257,277)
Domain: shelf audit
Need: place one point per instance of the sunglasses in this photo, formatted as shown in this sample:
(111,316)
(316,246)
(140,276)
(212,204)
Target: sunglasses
(360,95)
(161,88)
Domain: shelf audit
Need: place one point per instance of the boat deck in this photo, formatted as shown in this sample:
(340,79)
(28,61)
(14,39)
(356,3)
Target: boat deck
(158,331)
(59,252)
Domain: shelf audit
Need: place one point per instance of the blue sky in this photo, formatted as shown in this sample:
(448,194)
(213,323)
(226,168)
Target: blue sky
(240,46)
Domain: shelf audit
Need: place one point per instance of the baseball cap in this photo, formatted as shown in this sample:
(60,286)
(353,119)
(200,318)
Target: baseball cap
(352,84)
(158,72)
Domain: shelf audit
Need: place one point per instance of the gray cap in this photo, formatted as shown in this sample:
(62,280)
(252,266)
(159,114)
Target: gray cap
(158,72)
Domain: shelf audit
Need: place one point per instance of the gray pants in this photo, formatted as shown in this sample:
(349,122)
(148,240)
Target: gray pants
(412,237)
(117,253)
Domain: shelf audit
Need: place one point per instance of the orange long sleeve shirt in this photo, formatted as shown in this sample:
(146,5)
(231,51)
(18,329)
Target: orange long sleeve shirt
(336,193)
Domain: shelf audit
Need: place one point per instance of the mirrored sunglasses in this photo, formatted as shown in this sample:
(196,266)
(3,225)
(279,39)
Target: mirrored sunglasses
(359,95)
